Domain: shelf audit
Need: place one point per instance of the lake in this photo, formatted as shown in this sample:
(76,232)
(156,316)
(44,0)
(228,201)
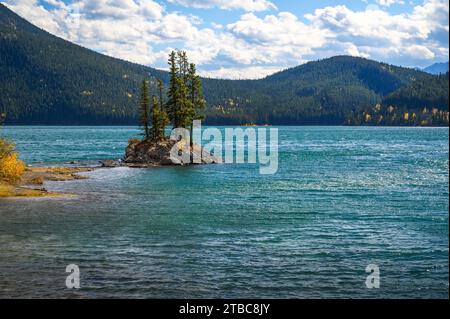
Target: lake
(343,198)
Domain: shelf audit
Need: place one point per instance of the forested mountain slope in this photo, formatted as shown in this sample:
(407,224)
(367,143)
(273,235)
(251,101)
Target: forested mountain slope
(420,103)
(47,80)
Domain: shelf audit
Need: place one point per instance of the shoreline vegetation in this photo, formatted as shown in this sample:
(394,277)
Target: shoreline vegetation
(19,180)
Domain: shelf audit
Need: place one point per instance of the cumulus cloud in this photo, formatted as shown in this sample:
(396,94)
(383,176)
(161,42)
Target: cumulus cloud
(274,39)
(388,3)
(384,36)
(284,29)
(251,72)
(247,5)
(252,46)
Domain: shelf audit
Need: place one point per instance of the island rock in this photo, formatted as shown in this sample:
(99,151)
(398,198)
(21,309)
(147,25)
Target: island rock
(157,153)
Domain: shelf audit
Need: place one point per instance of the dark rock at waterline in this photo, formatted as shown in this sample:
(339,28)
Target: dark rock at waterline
(71,162)
(111,163)
(157,153)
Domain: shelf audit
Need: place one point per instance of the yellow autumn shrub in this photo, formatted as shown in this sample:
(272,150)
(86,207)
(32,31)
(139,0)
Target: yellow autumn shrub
(6,147)
(11,168)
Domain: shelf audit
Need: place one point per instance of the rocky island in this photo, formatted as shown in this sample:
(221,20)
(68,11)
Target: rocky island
(181,108)
(157,153)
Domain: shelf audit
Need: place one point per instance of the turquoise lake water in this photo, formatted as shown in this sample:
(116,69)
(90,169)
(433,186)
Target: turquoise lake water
(343,198)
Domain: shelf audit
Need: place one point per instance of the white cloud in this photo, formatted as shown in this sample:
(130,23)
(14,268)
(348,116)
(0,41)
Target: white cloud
(151,9)
(433,14)
(247,5)
(252,72)
(173,26)
(284,29)
(216,25)
(366,25)
(280,40)
(388,3)
(384,36)
(353,50)
(253,46)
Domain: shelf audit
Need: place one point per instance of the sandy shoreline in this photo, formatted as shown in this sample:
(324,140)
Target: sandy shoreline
(34,177)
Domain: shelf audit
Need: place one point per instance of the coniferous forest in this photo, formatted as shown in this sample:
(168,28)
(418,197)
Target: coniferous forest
(47,80)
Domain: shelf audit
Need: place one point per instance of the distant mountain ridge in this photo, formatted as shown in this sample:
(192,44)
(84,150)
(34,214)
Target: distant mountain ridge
(437,68)
(47,80)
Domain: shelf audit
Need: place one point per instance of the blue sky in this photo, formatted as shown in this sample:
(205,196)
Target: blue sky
(249,38)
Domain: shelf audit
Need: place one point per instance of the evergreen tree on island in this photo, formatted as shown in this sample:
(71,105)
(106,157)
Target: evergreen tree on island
(182,106)
(160,119)
(160,91)
(152,120)
(196,97)
(144,106)
(185,97)
(172,94)
(185,100)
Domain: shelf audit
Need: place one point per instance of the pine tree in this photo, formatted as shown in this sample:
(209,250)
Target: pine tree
(185,97)
(196,92)
(160,90)
(144,106)
(185,109)
(183,65)
(160,119)
(197,101)
(172,94)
